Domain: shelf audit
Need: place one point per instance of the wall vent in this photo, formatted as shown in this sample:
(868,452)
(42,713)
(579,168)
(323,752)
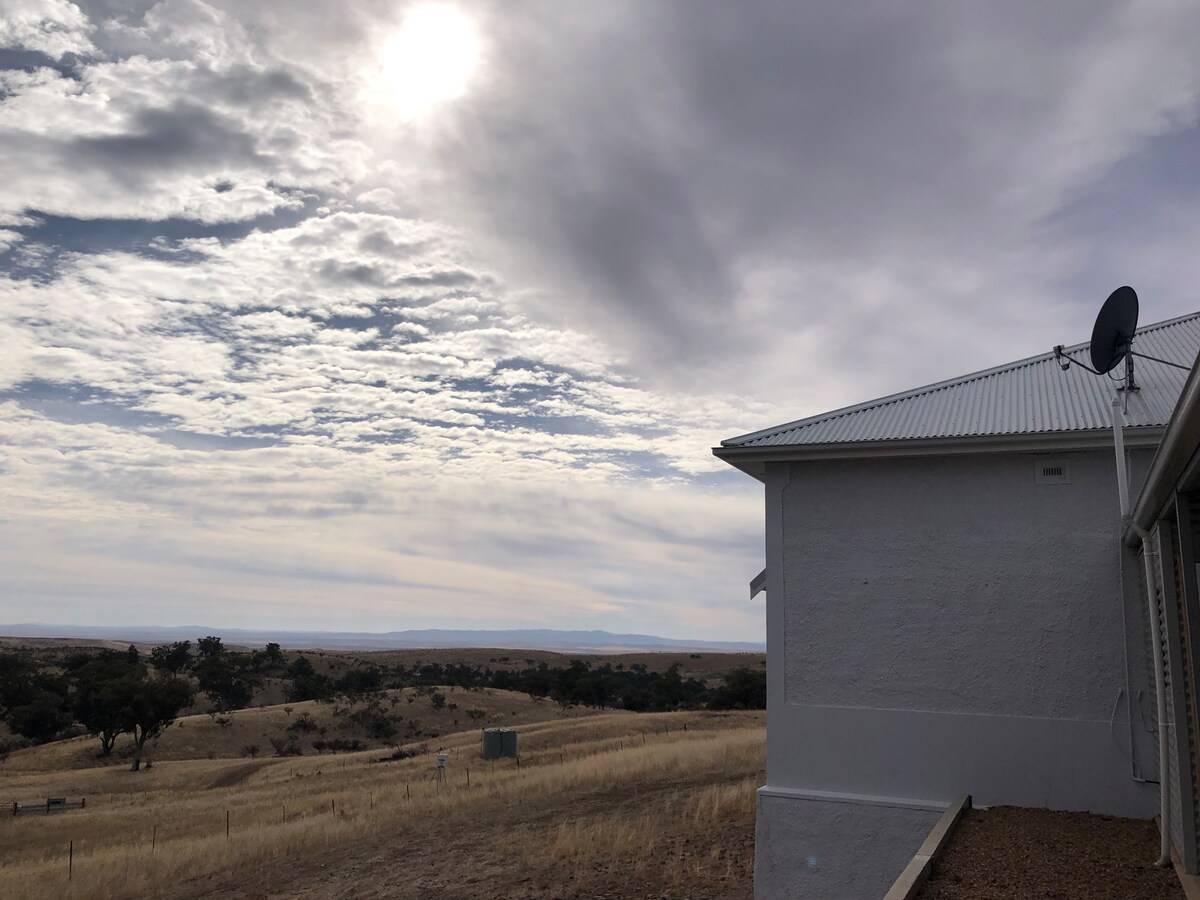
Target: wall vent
(1052,471)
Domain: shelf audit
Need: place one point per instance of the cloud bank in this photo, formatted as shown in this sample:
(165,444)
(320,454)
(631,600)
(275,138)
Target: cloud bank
(275,353)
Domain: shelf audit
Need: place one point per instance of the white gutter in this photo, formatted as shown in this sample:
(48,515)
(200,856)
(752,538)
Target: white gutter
(1160,690)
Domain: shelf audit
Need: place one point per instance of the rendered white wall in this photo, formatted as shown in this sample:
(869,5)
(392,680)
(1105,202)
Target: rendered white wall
(955,584)
(944,626)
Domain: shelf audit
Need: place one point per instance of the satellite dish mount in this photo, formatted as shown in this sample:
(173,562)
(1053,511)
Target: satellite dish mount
(1112,341)
(1112,338)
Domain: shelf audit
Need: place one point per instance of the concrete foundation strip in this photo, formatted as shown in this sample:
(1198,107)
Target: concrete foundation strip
(917,871)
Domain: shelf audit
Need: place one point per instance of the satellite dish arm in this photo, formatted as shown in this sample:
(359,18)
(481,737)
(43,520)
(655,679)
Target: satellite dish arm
(1060,355)
(1165,362)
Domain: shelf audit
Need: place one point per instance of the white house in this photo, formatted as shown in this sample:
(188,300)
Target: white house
(955,606)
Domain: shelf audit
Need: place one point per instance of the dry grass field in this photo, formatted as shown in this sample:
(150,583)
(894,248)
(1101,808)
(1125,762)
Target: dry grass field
(603,805)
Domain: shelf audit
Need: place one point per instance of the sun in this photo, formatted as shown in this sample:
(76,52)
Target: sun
(428,60)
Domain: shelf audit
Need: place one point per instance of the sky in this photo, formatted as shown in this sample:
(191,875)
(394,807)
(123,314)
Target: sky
(373,316)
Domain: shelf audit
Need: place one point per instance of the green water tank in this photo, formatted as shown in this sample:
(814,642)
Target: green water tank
(499,742)
(508,742)
(493,743)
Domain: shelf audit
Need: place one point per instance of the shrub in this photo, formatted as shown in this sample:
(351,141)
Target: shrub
(304,723)
(286,746)
(250,750)
(340,745)
(437,699)
(375,721)
(401,753)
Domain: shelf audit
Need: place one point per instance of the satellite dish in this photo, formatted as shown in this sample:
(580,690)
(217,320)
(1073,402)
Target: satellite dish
(1114,330)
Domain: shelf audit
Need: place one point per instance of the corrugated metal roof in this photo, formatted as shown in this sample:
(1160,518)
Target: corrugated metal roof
(1031,396)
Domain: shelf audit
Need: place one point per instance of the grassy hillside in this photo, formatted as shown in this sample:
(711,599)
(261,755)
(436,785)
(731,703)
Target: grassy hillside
(608,805)
(215,737)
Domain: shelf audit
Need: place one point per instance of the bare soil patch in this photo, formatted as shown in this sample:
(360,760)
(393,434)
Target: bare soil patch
(1007,852)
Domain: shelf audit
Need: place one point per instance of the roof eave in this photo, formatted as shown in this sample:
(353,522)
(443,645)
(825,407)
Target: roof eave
(752,460)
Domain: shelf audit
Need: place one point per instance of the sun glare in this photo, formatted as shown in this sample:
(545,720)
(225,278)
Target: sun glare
(428,61)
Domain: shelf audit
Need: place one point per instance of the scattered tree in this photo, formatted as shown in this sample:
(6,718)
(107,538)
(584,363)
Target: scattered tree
(210,646)
(153,706)
(103,688)
(173,658)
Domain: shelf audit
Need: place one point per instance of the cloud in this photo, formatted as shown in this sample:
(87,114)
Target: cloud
(254,323)
(189,120)
(768,195)
(263,382)
(52,27)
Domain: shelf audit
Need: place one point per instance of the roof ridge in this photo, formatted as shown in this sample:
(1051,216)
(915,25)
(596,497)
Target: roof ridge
(934,387)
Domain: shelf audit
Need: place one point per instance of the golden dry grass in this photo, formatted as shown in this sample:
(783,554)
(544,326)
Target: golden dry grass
(620,796)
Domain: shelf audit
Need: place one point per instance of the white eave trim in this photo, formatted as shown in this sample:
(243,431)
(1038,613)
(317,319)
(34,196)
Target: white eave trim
(750,459)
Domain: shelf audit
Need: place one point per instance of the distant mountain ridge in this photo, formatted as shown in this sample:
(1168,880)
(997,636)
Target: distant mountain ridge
(430,638)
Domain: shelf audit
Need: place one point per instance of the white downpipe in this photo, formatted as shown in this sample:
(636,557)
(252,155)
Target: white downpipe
(1118,424)
(1160,690)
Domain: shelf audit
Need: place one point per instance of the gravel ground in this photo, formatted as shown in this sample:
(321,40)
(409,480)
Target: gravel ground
(1007,852)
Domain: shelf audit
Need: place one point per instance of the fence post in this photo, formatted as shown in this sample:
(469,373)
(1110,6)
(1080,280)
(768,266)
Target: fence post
(153,839)
(333,806)
(560,757)
(468,776)
(226,823)
(70,860)
(407,792)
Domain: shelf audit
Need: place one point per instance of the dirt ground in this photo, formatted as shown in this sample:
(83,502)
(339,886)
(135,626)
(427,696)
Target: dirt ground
(1011,853)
